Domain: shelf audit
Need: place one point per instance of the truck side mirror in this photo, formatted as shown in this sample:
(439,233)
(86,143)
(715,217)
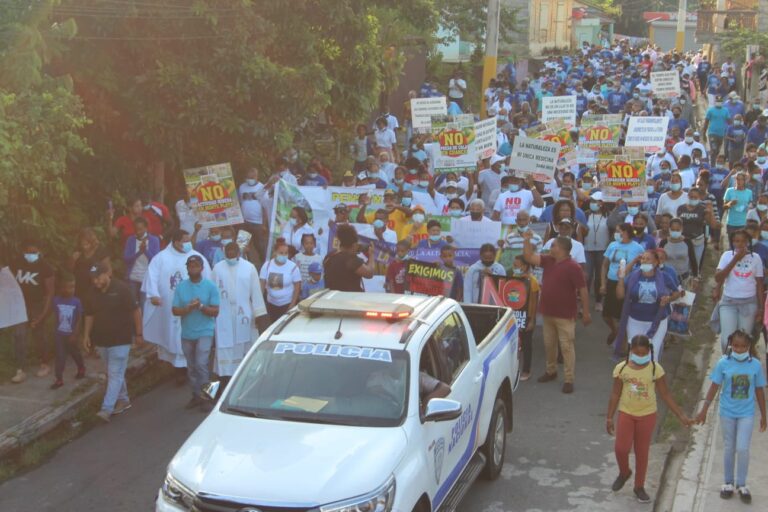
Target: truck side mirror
(442,409)
(211,390)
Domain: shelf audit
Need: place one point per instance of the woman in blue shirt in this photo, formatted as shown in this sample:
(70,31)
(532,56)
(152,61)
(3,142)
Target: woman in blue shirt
(742,379)
(736,201)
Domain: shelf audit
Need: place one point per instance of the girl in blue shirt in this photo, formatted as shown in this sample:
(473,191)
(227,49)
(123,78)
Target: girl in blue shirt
(740,375)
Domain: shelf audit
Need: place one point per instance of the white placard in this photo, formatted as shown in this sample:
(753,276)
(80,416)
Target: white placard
(559,107)
(13,311)
(485,138)
(646,132)
(473,235)
(665,84)
(534,156)
(422,110)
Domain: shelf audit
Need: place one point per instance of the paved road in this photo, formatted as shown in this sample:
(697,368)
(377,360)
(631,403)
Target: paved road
(558,457)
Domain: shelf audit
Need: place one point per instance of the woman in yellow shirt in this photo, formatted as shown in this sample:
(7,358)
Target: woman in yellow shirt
(635,384)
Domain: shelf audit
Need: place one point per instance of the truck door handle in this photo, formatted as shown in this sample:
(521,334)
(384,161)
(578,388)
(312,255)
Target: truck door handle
(479,377)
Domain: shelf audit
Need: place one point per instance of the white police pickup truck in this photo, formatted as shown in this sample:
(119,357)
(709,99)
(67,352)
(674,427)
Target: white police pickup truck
(326,415)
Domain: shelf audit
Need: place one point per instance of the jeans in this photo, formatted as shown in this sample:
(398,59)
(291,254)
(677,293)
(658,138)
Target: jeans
(116,359)
(198,354)
(737,435)
(66,346)
(23,334)
(637,431)
(594,265)
(735,316)
(715,145)
(560,332)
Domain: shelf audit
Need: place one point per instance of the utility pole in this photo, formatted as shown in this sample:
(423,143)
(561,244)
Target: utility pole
(681,19)
(491,49)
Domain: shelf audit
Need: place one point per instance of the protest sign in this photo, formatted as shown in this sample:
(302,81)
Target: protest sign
(622,177)
(13,310)
(428,278)
(533,156)
(351,198)
(213,195)
(485,138)
(455,136)
(513,293)
(597,132)
(422,110)
(474,234)
(559,107)
(665,84)
(646,132)
(679,319)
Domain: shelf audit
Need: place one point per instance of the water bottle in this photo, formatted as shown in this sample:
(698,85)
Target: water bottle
(622,267)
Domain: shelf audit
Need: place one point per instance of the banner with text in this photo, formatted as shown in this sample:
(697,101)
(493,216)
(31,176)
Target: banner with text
(213,195)
(456,137)
(622,177)
(534,156)
(511,292)
(423,278)
(665,84)
(485,138)
(601,131)
(646,132)
(559,107)
(422,110)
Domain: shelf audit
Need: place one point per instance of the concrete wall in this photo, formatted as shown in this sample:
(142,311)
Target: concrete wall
(663,34)
(762,18)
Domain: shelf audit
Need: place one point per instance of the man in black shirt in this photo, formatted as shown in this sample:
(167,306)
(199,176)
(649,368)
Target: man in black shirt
(35,278)
(344,269)
(111,317)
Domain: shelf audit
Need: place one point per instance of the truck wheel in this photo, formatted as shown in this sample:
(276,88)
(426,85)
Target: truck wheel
(496,441)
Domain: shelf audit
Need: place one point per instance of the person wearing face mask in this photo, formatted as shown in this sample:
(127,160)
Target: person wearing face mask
(647,293)
(513,242)
(139,250)
(251,194)
(621,214)
(112,321)
(525,312)
(686,146)
(485,266)
(380,229)
(758,132)
(736,200)
(760,212)
(434,238)
(416,230)
(36,280)
(716,123)
(655,162)
(476,212)
(209,246)
(297,227)
(242,312)
(696,216)
(313,178)
(394,281)
(399,183)
(90,252)
(516,199)
(489,180)
(595,243)
(671,200)
(394,216)
(166,270)
(681,254)
(280,281)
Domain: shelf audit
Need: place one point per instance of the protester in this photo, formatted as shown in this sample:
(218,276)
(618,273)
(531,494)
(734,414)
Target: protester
(35,277)
(139,250)
(112,320)
(196,301)
(68,317)
(595,243)
(485,266)
(447,262)
(737,200)
(280,281)
(90,252)
(314,283)
(741,376)
(123,226)
(251,195)
(680,252)
(298,226)
(636,381)
(526,315)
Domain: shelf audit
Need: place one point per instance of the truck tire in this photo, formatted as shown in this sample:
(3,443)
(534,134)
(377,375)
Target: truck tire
(496,441)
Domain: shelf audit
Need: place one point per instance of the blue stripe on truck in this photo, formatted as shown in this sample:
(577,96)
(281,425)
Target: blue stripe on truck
(442,492)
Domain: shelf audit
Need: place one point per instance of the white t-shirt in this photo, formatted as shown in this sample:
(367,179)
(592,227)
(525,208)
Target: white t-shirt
(456,88)
(509,203)
(488,181)
(280,280)
(577,250)
(250,202)
(668,205)
(688,178)
(293,237)
(139,269)
(740,283)
(682,148)
(385,138)
(304,261)
(188,219)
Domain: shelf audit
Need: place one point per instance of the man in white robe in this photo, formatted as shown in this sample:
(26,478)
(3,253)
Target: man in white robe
(242,312)
(165,271)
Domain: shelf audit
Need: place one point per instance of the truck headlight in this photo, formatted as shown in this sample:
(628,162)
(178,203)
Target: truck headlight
(177,493)
(379,500)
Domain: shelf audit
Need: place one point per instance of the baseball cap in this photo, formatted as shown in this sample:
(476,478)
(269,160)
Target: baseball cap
(597,196)
(419,208)
(497,158)
(389,192)
(765,113)
(315,268)
(451,184)
(349,174)
(98,269)
(341,207)
(195,258)
(696,134)
(565,220)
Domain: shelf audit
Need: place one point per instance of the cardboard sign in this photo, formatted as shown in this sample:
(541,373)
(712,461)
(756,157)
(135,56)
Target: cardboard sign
(665,84)
(422,110)
(559,107)
(485,138)
(213,195)
(533,156)
(13,310)
(474,234)
(598,132)
(511,292)
(428,278)
(622,177)
(646,132)
(456,138)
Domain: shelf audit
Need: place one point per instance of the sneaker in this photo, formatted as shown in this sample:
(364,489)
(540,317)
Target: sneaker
(568,388)
(726,491)
(547,377)
(745,495)
(57,384)
(80,374)
(620,481)
(525,376)
(103,416)
(193,402)
(44,370)
(19,377)
(642,496)
(121,406)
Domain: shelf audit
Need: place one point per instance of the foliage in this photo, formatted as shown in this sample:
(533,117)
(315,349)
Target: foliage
(468,18)
(734,42)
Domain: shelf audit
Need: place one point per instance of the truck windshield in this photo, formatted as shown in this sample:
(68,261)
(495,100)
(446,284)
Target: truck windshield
(322,383)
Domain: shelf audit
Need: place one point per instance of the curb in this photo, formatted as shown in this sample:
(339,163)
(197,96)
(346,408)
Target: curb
(47,419)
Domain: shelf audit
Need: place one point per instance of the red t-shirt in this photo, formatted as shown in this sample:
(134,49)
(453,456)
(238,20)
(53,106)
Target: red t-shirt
(396,276)
(124,226)
(561,282)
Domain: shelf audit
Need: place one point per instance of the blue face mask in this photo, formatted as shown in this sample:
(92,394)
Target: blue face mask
(186,247)
(650,189)
(455,213)
(595,207)
(406,201)
(646,267)
(514,188)
(434,238)
(617,237)
(633,210)
(225,241)
(740,357)
(281,258)
(640,360)
(675,186)
(31,257)
(517,271)
(378,224)
(215,238)
(232,261)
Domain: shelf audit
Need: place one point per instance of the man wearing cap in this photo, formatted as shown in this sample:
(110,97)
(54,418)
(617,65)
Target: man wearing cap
(112,318)
(715,125)
(734,105)
(242,312)
(348,180)
(758,133)
(196,301)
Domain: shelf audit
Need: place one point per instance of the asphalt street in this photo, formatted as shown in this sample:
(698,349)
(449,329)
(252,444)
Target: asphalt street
(558,457)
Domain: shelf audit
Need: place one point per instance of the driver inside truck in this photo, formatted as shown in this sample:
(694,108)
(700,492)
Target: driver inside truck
(429,386)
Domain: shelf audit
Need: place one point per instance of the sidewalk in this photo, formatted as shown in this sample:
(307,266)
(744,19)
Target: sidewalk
(698,489)
(30,410)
